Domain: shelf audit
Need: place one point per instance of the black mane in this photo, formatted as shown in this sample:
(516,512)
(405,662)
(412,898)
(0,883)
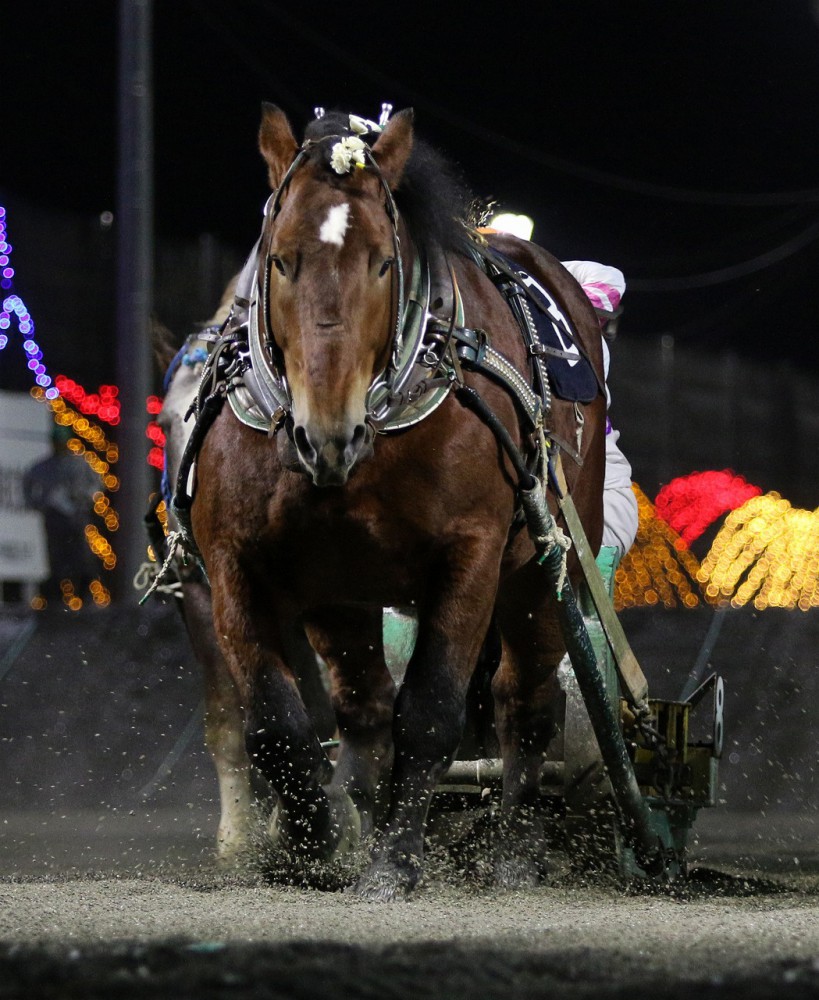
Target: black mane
(433,197)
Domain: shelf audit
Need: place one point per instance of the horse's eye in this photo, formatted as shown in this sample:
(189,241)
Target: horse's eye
(277,263)
(386,266)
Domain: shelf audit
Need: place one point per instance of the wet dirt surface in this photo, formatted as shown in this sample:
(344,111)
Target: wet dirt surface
(77,921)
(108,886)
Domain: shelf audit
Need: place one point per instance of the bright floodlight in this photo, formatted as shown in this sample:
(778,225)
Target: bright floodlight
(517,225)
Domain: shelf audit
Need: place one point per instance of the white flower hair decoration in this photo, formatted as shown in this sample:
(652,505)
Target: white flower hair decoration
(348,152)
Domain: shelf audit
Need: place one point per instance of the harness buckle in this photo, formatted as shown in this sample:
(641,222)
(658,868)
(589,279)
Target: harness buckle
(472,345)
(277,420)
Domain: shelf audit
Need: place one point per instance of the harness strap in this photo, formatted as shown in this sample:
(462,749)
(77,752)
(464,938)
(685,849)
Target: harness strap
(475,354)
(183,494)
(469,398)
(550,542)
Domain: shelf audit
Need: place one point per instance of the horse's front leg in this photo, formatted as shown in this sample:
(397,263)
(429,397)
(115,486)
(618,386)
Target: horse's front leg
(280,737)
(224,727)
(350,640)
(430,713)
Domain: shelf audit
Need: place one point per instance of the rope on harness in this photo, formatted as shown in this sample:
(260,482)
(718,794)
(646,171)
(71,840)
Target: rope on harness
(147,570)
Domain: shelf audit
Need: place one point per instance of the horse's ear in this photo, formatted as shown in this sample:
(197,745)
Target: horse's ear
(392,149)
(163,344)
(276,143)
(226,302)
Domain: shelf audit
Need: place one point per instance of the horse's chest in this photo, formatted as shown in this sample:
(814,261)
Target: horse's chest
(327,535)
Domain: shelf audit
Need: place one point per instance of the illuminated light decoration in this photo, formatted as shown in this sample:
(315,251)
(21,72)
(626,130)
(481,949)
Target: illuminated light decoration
(100,593)
(103,508)
(162,515)
(91,434)
(90,442)
(156,455)
(155,434)
(71,599)
(767,553)
(658,569)
(103,404)
(14,311)
(100,546)
(691,504)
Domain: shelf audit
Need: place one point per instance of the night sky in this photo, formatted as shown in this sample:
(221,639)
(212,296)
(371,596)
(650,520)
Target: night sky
(677,140)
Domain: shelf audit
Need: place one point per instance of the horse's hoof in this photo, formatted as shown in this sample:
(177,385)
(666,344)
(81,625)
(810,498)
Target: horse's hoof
(383,883)
(277,828)
(345,823)
(516,873)
(380,890)
(233,846)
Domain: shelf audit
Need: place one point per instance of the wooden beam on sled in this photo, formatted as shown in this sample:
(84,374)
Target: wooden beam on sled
(629,671)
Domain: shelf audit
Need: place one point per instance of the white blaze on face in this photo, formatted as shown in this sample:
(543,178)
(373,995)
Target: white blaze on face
(335,225)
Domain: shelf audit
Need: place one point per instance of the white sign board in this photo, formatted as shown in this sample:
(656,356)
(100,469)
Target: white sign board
(25,438)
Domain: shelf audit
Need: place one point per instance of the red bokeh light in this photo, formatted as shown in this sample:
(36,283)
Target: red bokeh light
(690,504)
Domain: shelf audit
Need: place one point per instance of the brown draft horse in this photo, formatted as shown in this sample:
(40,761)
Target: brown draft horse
(324,522)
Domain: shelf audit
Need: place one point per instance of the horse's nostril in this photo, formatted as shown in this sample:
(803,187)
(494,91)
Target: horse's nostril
(359,436)
(359,446)
(303,445)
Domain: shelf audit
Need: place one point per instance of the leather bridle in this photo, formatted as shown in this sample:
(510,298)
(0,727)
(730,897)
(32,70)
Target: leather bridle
(266,355)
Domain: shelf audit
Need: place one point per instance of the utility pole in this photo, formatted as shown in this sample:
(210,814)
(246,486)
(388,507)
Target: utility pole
(134,226)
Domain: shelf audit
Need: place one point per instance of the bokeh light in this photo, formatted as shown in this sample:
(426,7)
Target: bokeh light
(658,569)
(767,552)
(690,504)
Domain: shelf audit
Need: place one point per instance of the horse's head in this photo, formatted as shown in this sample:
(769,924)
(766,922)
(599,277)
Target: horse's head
(327,265)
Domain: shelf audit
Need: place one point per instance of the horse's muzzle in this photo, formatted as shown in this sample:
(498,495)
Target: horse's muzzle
(329,459)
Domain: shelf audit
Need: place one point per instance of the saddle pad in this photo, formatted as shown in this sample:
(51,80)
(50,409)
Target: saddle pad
(571,378)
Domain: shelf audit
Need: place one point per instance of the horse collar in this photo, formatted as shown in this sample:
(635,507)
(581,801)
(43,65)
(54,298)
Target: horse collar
(397,398)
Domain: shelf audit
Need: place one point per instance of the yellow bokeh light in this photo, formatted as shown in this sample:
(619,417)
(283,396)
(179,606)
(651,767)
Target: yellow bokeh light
(766,553)
(658,569)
